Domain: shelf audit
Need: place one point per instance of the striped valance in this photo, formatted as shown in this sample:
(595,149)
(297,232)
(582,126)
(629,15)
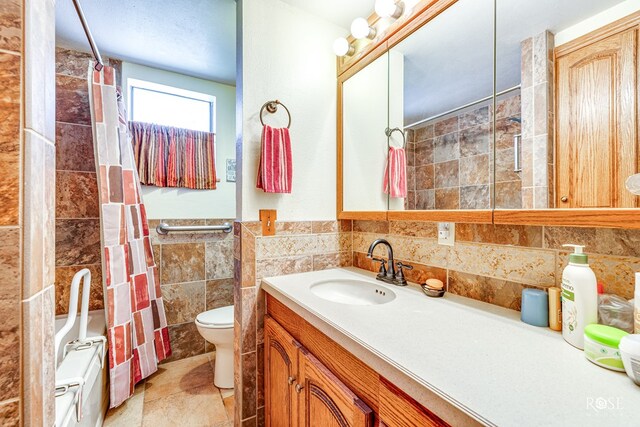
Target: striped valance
(174,157)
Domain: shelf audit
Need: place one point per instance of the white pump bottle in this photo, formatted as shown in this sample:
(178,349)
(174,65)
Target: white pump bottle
(579,297)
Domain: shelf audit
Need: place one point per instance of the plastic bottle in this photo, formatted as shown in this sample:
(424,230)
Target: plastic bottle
(579,297)
(636,306)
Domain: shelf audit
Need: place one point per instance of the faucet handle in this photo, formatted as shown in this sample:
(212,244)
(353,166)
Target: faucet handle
(401,281)
(383,267)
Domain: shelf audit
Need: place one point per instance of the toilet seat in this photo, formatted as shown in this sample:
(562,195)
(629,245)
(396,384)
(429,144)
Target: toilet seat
(218,318)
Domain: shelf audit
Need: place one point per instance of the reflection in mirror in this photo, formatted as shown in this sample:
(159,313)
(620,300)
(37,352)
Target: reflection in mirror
(447,95)
(364,144)
(578,140)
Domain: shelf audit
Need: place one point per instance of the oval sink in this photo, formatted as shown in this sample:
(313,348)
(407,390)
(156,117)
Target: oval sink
(352,292)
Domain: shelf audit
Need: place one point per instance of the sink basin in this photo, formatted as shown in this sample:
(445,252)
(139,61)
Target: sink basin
(352,292)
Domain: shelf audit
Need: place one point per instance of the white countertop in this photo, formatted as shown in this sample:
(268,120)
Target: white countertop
(478,357)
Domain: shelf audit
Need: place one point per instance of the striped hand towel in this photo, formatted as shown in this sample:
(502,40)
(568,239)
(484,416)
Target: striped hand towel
(275,169)
(395,173)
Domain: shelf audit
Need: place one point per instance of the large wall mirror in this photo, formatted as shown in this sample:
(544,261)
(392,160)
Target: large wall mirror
(577,138)
(533,110)
(444,82)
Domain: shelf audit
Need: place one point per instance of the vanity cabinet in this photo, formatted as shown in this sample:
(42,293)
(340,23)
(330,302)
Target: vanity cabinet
(310,380)
(301,391)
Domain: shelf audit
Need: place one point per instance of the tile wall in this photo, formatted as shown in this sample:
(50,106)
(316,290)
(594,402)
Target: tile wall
(296,247)
(449,161)
(493,263)
(77,211)
(196,274)
(537,77)
(27,160)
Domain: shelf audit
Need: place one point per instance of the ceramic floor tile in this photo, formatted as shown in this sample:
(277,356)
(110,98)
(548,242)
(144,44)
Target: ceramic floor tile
(229,403)
(179,376)
(200,406)
(129,413)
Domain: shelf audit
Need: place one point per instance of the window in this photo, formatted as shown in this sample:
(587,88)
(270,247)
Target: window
(170,106)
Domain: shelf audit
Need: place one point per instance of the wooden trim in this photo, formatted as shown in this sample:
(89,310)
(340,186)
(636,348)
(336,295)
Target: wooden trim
(364,215)
(608,218)
(620,25)
(339,152)
(468,216)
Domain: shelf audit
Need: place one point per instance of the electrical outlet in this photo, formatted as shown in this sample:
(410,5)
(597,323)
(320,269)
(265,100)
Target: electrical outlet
(446,233)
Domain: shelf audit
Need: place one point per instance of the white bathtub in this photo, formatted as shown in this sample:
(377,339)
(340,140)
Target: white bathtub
(88,364)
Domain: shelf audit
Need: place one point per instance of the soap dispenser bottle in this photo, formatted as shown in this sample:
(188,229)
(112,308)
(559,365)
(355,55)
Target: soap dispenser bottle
(579,297)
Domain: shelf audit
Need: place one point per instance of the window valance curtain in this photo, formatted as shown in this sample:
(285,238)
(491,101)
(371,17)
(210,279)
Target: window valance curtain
(173,157)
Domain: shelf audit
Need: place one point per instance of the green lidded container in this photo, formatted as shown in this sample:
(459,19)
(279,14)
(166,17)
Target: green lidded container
(601,346)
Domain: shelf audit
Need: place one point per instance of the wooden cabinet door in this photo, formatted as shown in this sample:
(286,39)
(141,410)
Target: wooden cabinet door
(280,375)
(324,401)
(596,139)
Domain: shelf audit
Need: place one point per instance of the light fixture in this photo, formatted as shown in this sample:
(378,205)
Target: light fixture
(341,47)
(360,29)
(389,8)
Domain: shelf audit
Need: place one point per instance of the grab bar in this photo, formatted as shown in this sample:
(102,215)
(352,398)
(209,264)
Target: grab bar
(517,150)
(73,308)
(164,228)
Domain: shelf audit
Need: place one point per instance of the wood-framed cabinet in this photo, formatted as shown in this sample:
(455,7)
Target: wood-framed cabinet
(310,380)
(301,391)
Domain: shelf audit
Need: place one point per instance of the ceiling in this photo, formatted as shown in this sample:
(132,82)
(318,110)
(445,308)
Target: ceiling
(449,62)
(192,37)
(338,12)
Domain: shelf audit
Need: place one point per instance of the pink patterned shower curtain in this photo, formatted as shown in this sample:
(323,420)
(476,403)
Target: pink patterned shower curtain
(136,324)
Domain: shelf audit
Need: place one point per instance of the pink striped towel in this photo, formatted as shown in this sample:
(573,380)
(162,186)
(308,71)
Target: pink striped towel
(395,173)
(275,169)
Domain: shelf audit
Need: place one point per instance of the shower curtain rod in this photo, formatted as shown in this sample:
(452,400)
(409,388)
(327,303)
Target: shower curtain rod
(471,104)
(96,54)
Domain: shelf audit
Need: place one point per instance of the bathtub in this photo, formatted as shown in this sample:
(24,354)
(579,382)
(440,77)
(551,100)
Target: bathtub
(88,364)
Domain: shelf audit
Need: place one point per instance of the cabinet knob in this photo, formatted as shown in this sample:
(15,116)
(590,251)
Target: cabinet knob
(291,380)
(564,199)
(299,388)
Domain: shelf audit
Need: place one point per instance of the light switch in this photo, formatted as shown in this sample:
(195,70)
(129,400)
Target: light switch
(446,233)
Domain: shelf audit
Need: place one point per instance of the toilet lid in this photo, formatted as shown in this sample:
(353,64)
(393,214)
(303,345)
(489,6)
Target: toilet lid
(218,317)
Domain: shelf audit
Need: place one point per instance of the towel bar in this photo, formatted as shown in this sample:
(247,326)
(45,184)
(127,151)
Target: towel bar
(164,228)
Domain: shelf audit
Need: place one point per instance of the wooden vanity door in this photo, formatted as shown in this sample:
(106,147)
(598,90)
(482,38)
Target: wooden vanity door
(280,375)
(596,123)
(324,401)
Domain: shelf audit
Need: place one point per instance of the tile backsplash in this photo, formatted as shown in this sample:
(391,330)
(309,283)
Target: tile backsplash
(493,263)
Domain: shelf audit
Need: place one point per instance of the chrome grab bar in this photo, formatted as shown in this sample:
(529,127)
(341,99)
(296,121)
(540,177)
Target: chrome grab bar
(517,150)
(164,228)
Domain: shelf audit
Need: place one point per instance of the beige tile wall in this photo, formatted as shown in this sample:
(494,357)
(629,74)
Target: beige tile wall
(196,274)
(493,263)
(296,247)
(27,156)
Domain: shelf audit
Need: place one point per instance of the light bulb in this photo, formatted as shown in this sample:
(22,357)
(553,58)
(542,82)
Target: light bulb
(341,47)
(360,29)
(388,8)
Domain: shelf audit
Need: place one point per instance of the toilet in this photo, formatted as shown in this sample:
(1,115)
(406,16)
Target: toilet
(216,326)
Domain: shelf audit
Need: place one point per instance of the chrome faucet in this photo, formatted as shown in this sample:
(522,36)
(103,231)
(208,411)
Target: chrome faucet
(391,275)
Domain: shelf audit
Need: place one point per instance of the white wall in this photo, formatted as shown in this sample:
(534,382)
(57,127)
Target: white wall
(601,19)
(173,203)
(287,55)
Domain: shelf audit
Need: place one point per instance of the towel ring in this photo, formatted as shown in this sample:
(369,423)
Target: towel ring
(272,107)
(390,132)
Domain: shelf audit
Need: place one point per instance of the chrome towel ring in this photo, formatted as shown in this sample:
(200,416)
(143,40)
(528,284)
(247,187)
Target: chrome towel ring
(272,107)
(389,132)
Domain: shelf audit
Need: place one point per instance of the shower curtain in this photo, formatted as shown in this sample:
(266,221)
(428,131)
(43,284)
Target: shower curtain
(136,324)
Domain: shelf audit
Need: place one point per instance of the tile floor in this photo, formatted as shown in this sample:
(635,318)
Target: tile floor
(181,393)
